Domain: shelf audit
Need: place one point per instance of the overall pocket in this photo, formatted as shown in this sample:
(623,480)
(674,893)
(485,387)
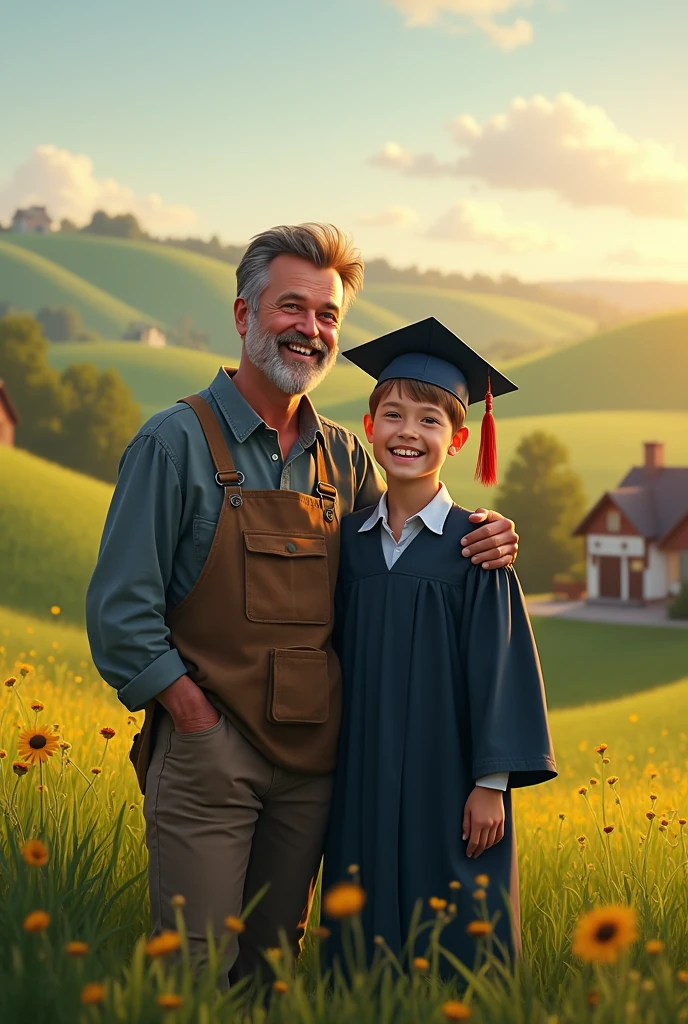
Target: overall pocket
(299,692)
(287,578)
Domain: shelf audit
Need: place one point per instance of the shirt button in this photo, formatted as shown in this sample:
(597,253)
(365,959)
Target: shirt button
(275,456)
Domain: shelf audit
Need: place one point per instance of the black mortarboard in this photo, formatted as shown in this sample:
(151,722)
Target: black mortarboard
(428,351)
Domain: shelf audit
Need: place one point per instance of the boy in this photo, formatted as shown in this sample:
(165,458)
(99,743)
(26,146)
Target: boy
(444,706)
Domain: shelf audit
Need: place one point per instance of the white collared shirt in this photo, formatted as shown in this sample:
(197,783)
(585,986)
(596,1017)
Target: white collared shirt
(433,516)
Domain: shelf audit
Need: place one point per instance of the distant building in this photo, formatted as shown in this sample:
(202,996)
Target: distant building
(34,220)
(637,535)
(147,334)
(9,417)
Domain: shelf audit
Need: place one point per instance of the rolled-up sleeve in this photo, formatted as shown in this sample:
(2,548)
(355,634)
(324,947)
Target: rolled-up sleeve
(125,601)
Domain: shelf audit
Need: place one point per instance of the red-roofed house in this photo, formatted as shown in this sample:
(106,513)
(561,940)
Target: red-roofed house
(9,417)
(637,535)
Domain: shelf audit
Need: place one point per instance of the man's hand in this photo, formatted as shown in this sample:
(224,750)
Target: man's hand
(495,544)
(189,707)
(483,820)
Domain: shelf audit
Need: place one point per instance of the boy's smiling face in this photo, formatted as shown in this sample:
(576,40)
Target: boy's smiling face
(412,439)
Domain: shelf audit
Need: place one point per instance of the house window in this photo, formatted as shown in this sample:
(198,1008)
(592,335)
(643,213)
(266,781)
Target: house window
(613,521)
(636,565)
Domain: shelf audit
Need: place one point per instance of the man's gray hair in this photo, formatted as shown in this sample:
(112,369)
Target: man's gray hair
(324,245)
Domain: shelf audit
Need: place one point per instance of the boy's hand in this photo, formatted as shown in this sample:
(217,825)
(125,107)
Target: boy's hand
(495,544)
(483,820)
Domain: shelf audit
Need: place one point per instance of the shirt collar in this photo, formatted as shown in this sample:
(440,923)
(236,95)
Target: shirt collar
(243,419)
(434,515)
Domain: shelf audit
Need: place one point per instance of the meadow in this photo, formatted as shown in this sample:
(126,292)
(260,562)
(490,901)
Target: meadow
(608,832)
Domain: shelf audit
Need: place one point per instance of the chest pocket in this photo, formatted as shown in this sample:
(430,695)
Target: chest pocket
(287,578)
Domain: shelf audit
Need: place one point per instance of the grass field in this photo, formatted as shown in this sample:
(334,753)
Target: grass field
(168,284)
(93,886)
(51,520)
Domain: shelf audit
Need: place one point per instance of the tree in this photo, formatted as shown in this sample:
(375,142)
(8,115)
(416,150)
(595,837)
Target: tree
(34,386)
(80,418)
(545,497)
(60,323)
(100,419)
(68,226)
(121,225)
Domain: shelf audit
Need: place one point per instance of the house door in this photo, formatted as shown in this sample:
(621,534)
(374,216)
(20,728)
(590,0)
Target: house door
(610,576)
(636,567)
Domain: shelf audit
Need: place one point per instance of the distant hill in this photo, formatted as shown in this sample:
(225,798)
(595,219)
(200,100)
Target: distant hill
(28,281)
(481,320)
(640,365)
(635,297)
(148,281)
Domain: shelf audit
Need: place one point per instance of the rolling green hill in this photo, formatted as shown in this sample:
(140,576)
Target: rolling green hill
(28,280)
(163,283)
(51,520)
(641,365)
(480,319)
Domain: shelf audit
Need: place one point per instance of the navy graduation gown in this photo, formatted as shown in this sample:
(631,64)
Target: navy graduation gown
(441,685)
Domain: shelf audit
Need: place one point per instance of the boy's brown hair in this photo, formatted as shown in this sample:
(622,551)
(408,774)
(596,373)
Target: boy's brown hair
(420,391)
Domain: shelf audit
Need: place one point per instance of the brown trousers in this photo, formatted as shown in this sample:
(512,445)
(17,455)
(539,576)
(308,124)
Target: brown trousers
(221,821)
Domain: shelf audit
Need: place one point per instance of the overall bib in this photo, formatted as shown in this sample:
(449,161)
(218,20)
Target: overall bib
(246,801)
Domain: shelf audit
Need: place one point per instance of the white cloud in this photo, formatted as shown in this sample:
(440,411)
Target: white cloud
(390,217)
(66,184)
(563,145)
(474,221)
(458,16)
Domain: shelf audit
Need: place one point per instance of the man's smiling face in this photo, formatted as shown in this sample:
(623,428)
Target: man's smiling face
(293,336)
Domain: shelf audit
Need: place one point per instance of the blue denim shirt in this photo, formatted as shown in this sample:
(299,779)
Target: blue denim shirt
(162,519)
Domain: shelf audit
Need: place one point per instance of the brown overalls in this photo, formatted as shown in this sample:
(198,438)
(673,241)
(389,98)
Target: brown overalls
(245,802)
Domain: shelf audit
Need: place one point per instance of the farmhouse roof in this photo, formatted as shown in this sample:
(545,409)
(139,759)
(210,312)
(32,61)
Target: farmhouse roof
(654,500)
(9,405)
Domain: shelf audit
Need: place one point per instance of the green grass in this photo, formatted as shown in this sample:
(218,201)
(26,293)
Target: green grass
(587,662)
(51,520)
(28,281)
(94,888)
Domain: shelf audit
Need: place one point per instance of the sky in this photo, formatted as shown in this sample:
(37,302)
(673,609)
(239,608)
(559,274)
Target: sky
(541,138)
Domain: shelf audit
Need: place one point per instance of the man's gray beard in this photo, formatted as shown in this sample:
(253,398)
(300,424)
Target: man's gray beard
(263,349)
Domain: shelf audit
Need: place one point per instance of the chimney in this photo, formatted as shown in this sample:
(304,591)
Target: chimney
(654,456)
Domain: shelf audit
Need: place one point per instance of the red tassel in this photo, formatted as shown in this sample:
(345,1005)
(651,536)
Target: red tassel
(486,470)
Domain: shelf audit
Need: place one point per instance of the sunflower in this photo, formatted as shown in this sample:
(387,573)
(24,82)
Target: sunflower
(35,853)
(37,744)
(603,933)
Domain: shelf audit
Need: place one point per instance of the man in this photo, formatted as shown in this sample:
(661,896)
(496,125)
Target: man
(211,603)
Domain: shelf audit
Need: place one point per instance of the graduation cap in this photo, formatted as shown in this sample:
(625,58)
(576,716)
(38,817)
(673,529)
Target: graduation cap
(428,351)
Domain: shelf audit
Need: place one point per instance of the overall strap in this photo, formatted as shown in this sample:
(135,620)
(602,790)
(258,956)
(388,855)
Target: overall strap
(327,492)
(226,476)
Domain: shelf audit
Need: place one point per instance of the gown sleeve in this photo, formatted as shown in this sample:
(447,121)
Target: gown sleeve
(506,694)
